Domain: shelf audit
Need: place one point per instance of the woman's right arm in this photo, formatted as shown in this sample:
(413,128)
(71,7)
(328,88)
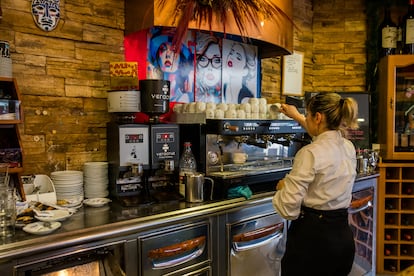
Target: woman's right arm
(292,112)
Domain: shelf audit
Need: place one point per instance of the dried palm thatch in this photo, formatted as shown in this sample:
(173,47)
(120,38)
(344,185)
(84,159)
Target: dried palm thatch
(243,11)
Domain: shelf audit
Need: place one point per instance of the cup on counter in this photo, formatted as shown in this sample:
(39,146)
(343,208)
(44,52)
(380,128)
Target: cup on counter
(262,116)
(241,114)
(231,106)
(7,212)
(178,107)
(192,108)
(231,114)
(210,113)
(246,107)
(222,106)
(255,108)
(210,105)
(255,115)
(254,101)
(239,157)
(200,107)
(262,101)
(263,108)
(219,114)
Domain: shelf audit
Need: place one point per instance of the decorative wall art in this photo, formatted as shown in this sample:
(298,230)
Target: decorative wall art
(165,62)
(206,68)
(240,71)
(46,14)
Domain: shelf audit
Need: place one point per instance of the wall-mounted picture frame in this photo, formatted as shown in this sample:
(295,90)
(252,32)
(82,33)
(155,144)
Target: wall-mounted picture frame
(292,74)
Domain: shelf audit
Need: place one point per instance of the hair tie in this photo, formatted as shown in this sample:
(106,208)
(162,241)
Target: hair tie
(341,102)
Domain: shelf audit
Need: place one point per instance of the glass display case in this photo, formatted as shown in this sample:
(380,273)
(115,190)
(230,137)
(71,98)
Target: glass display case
(396,107)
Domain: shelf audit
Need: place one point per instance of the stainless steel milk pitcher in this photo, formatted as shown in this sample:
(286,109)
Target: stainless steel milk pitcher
(195,187)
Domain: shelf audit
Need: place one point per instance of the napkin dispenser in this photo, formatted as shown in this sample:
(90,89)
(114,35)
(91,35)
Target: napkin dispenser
(39,188)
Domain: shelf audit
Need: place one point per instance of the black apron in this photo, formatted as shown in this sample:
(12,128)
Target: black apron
(319,243)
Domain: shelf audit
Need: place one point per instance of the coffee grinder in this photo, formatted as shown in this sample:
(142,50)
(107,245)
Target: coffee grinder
(143,157)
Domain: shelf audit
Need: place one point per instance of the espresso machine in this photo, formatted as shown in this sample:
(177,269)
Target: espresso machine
(268,147)
(143,156)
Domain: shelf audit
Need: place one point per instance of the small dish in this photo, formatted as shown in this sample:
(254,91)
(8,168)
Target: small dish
(96,202)
(41,228)
(75,202)
(52,215)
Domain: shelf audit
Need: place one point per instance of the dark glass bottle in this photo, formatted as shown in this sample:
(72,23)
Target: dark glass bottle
(408,29)
(387,251)
(388,236)
(388,34)
(407,237)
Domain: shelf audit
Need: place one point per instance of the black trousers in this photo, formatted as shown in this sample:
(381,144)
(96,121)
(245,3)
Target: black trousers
(319,243)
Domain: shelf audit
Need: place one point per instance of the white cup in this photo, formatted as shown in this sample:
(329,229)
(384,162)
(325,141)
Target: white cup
(210,105)
(239,157)
(262,101)
(255,115)
(246,107)
(192,108)
(255,108)
(231,114)
(210,113)
(219,114)
(200,107)
(186,108)
(273,110)
(178,108)
(263,108)
(254,101)
(231,106)
(222,106)
(241,114)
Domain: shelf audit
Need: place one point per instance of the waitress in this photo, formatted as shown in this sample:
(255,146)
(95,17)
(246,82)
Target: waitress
(316,193)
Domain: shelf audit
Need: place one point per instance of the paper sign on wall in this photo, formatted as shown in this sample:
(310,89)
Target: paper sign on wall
(292,74)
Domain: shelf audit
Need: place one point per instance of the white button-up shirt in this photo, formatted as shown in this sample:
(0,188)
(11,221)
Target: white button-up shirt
(322,176)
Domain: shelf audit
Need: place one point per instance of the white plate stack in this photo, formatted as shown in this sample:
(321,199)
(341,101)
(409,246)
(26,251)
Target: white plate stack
(69,187)
(95,178)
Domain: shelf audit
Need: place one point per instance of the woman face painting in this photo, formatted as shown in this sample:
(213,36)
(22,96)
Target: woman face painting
(236,59)
(168,59)
(209,65)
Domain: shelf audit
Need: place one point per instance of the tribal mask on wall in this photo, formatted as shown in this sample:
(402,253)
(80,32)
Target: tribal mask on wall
(46,14)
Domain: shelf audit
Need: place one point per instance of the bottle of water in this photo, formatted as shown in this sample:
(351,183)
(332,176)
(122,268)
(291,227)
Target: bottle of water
(187,165)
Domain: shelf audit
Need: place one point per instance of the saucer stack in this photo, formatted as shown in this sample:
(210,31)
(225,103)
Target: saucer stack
(69,187)
(95,178)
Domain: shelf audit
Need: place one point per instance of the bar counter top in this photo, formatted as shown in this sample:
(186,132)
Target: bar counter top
(90,224)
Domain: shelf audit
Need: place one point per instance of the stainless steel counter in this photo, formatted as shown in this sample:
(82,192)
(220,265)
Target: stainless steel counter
(90,224)
(114,220)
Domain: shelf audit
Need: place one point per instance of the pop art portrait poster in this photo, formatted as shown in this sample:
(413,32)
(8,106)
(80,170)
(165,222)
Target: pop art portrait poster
(240,71)
(164,62)
(208,68)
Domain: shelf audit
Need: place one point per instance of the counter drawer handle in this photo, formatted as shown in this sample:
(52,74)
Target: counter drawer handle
(361,208)
(257,238)
(177,254)
(258,233)
(359,205)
